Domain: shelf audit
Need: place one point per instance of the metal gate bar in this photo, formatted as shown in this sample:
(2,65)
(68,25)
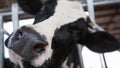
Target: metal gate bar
(1,42)
(79,48)
(98,28)
(15,17)
(103,61)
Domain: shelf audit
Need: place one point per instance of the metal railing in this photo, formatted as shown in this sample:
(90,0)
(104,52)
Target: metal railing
(1,42)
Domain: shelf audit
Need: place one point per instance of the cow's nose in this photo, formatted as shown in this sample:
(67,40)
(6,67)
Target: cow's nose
(26,40)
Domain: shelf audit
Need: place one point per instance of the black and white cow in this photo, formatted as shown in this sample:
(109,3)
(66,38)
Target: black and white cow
(59,25)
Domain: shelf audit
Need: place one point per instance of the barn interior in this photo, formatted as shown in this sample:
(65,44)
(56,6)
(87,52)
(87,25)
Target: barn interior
(107,15)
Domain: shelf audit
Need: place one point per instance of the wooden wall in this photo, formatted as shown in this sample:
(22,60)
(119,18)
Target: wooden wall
(109,18)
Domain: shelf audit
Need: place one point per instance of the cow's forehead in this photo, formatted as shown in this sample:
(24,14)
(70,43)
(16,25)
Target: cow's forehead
(65,12)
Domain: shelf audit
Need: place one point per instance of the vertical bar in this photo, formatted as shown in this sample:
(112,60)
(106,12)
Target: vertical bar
(1,42)
(90,7)
(15,18)
(79,48)
(103,62)
(92,17)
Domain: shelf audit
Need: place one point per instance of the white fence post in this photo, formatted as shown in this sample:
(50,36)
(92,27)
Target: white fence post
(79,48)
(15,16)
(1,42)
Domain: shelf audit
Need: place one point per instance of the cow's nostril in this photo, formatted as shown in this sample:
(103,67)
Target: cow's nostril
(39,47)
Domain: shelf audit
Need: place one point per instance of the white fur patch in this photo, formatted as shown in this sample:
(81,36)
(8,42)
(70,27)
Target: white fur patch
(15,58)
(65,12)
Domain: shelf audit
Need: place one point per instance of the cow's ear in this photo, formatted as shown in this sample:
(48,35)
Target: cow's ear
(101,42)
(31,6)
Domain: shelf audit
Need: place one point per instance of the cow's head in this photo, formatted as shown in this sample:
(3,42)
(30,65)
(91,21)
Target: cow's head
(60,25)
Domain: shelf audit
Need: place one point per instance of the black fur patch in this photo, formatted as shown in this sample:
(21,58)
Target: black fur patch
(65,39)
(30,6)
(47,11)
